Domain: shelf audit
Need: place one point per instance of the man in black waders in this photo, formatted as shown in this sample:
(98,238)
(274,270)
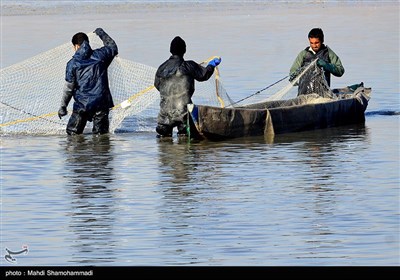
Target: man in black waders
(86,80)
(175,80)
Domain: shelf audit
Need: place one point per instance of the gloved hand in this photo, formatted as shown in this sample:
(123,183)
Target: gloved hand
(322,63)
(215,62)
(328,67)
(292,76)
(99,31)
(62,112)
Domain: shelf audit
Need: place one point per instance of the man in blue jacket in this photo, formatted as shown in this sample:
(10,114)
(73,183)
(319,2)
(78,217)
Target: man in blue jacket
(175,80)
(86,80)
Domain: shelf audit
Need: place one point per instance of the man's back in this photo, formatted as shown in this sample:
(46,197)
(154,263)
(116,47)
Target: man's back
(175,80)
(88,70)
(86,80)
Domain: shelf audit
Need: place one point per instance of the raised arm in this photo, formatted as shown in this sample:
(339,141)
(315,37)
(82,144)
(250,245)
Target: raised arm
(107,40)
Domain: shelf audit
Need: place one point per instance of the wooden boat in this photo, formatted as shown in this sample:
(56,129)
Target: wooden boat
(305,112)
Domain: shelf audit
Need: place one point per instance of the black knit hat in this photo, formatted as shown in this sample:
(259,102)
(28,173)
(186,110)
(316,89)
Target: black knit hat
(178,46)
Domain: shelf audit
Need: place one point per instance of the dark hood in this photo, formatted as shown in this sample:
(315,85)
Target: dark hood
(84,52)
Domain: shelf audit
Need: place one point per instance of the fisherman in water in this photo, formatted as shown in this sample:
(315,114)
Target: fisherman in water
(86,80)
(175,80)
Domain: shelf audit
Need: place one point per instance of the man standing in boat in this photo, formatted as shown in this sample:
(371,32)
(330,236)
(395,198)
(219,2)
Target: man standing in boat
(327,58)
(175,80)
(86,80)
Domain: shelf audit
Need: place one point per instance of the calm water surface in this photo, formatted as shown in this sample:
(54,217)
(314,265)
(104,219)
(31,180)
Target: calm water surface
(314,198)
(328,197)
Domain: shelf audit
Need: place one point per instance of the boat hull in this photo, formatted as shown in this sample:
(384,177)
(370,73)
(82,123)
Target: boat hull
(277,117)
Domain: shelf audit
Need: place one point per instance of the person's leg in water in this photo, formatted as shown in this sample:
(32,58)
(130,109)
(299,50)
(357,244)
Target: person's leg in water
(101,122)
(182,131)
(164,130)
(76,123)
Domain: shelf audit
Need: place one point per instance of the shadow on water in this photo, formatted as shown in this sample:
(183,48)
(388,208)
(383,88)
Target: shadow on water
(90,176)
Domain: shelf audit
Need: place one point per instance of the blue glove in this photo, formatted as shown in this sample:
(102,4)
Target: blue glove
(215,62)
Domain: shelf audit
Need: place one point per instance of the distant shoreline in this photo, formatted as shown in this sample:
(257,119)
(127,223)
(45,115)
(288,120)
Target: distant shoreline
(16,8)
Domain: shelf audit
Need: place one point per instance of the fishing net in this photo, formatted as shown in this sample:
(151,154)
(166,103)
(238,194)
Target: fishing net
(308,80)
(31,94)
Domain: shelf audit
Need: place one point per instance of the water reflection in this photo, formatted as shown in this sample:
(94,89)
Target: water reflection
(326,136)
(321,157)
(175,161)
(318,163)
(89,161)
(180,193)
(321,151)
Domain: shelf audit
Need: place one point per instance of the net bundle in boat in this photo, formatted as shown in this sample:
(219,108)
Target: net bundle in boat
(308,80)
(31,93)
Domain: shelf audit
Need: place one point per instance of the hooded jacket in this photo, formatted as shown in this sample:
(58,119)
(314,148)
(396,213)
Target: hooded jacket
(87,72)
(175,80)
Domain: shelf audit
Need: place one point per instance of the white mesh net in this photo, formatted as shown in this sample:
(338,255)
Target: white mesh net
(308,79)
(31,94)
